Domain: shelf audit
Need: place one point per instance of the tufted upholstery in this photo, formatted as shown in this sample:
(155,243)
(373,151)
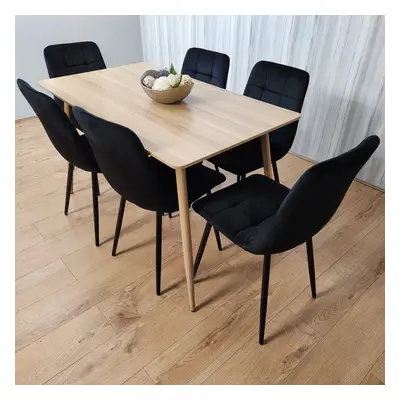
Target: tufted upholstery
(277,84)
(265,217)
(242,206)
(137,177)
(206,66)
(72,58)
(73,147)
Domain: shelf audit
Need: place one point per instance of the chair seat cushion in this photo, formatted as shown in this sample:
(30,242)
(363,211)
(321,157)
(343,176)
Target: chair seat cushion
(238,210)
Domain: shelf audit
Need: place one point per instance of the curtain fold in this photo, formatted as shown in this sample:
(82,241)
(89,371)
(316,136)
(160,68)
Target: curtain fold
(344,56)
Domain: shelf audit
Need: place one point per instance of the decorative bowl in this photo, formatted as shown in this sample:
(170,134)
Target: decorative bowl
(169,96)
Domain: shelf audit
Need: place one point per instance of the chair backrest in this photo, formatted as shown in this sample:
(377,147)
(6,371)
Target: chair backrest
(206,66)
(317,194)
(283,86)
(59,129)
(124,161)
(72,58)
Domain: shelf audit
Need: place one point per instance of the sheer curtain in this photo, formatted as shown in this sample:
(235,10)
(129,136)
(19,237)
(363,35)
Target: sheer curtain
(344,56)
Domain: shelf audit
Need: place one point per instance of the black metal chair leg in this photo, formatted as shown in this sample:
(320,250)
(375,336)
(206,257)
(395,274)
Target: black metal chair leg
(170,215)
(69,185)
(118,226)
(275,169)
(98,186)
(72,179)
(95,208)
(216,168)
(218,239)
(241,177)
(264,297)
(158,251)
(311,268)
(202,246)
(217,236)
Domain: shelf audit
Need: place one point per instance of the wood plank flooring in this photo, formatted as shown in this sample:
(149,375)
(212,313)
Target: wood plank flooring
(85,317)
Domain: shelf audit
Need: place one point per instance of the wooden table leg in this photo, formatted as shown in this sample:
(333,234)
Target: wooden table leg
(67,110)
(266,153)
(185,232)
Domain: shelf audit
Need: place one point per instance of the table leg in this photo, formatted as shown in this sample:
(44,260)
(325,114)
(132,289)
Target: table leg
(266,153)
(185,232)
(67,110)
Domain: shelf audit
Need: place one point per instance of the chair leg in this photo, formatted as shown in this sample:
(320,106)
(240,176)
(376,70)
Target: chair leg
(158,251)
(69,186)
(95,208)
(216,168)
(202,246)
(170,215)
(218,239)
(264,297)
(241,177)
(217,236)
(72,179)
(98,186)
(118,226)
(275,169)
(311,269)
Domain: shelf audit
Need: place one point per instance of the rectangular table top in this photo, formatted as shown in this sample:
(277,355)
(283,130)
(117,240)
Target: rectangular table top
(208,122)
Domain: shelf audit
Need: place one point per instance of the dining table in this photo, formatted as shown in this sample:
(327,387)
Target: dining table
(208,122)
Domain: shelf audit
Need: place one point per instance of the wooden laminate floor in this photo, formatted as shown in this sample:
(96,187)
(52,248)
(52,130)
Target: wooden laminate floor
(85,317)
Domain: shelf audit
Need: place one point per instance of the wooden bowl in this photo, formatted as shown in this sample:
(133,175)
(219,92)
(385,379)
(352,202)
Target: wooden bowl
(169,96)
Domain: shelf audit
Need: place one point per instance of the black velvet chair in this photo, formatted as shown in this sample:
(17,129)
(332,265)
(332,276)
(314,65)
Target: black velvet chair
(264,217)
(206,66)
(69,59)
(139,178)
(72,58)
(73,147)
(276,84)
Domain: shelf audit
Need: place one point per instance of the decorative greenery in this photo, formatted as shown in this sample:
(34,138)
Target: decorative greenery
(172,70)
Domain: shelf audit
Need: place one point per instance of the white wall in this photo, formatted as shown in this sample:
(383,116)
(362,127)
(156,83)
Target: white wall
(118,38)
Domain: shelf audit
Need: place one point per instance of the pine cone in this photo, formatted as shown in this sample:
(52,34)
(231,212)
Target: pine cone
(162,72)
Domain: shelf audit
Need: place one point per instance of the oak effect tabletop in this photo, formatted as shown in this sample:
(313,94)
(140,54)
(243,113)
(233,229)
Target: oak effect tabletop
(208,122)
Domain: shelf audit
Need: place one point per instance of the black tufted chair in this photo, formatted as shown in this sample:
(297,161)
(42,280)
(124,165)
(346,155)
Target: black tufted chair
(73,147)
(276,84)
(138,178)
(72,58)
(264,217)
(206,66)
(69,59)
